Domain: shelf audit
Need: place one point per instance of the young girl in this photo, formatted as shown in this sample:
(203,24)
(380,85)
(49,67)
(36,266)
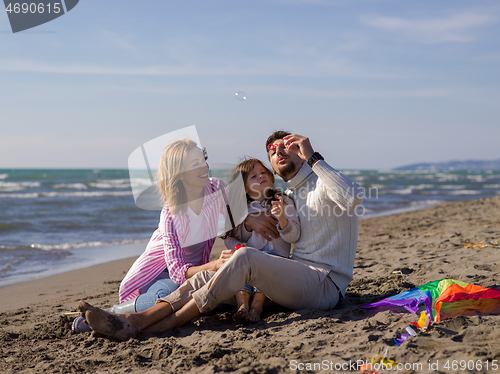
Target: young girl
(261,196)
(182,244)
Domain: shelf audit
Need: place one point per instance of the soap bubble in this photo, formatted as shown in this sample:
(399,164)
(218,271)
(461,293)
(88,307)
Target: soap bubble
(241,96)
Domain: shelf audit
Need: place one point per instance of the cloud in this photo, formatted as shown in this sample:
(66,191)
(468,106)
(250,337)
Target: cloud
(325,67)
(289,90)
(456,28)
(360,94)
(119,41)
(325,2)
(84,69)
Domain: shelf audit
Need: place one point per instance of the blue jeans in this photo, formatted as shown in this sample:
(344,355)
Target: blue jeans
(160,287)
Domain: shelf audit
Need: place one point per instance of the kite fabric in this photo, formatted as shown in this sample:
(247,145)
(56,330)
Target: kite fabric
(446,298)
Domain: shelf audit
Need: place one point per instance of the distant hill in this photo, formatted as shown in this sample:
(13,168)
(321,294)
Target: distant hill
(455,165)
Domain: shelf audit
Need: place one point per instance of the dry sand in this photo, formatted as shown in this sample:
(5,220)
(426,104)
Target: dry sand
(395,253)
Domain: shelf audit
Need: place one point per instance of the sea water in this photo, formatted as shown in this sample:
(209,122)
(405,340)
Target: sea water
(52,220)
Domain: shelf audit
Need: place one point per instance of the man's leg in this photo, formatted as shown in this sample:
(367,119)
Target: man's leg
(286,282)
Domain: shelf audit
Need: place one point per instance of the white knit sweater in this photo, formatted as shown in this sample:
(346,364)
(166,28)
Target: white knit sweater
(326,201)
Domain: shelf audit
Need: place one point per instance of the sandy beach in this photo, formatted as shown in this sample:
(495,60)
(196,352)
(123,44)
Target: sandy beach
(395,253)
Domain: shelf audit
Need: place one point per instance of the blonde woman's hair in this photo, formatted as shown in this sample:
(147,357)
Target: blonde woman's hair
(170,169)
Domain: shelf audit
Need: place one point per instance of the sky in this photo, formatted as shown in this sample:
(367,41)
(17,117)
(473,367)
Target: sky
(374,84)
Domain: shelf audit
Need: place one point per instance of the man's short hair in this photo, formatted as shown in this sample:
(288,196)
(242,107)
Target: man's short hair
(280,134)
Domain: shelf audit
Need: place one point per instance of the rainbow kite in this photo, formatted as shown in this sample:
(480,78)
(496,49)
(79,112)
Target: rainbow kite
(446,298)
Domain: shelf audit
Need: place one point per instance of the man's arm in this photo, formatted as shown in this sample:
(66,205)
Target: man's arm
(257,241)
(342,190)
(262,223)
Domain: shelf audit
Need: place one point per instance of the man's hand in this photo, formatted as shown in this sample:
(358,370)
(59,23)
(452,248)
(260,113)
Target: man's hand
(300,145)
(263,224)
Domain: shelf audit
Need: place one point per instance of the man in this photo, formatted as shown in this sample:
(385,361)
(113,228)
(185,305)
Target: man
(315,277)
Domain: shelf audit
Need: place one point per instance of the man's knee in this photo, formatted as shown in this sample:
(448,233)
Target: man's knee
(199,279)
(245,256)
(247,252)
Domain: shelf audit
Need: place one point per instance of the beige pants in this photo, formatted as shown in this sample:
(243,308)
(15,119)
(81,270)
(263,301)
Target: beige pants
(289,283)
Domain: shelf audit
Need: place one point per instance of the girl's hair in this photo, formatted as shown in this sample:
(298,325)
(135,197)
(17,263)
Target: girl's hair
(244,169)
(172,165)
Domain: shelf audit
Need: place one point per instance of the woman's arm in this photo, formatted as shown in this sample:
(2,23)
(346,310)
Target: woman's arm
(212,265)
(174,254)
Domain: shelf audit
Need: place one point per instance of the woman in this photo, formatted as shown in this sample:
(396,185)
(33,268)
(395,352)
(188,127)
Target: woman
(181,245)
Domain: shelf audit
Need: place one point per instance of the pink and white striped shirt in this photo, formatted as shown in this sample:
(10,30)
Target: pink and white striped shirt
(165,248)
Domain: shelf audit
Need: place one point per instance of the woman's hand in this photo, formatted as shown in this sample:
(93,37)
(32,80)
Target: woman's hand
(224,256)
(212,265)
(278,210)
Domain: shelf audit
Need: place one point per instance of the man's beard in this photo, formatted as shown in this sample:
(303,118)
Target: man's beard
(287,171)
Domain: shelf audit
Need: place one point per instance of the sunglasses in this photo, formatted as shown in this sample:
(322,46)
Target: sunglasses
(271,146)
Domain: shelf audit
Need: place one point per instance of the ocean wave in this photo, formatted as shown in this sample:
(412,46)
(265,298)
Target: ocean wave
(67,246)
(111,183)
(476,178)
(426,203)
(359,178)
(421,186)
(491,186)
(464,192)
(4,176)
(452,187)
(34,195)
(17,186)
(9,226)
(414,205)
(115,181)
(74,186)
(376,186)
(441,177)
(403,191)
(138,182)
